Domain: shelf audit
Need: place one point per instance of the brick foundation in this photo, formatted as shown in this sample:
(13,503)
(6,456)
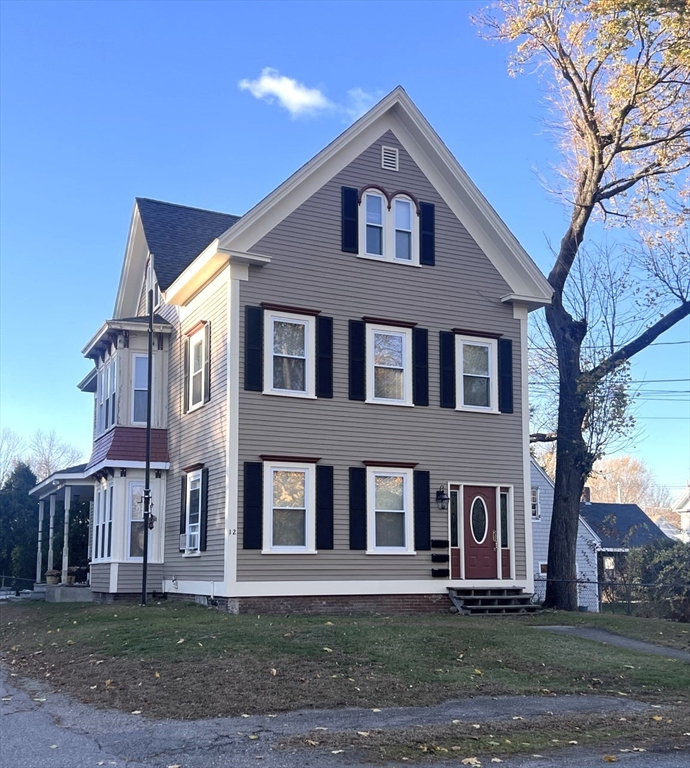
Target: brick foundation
(328,605)
(339,605)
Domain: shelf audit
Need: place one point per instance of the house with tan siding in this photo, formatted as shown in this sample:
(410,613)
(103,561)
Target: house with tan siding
(339,389)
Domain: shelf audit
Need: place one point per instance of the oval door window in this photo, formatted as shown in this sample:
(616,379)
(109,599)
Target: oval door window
(479,520)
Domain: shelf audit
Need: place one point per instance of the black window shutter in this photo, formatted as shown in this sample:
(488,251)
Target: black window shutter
(207,362)
(324,356)
(183,508)
(203,521)
(358,508)
(422,511)
(447,354)
(324,507)
(185,375)
(427,234)
(505,375)
(357,360)
(253,349)
(420,365)
(253,504)
(349,211)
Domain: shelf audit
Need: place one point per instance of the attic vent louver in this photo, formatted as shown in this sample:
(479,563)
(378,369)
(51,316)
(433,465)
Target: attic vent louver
(389,158)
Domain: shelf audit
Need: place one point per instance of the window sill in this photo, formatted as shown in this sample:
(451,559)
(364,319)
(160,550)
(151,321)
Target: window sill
(390,552)
(300,395)
(470,409)
(287,551)
(373,401)
(195,553)
(198,407)
(383,260)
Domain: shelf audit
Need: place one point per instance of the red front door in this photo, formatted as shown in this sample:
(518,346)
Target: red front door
(479,528)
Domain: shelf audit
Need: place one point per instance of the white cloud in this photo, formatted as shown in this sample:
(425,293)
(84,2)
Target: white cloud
(300,100)
(291,94)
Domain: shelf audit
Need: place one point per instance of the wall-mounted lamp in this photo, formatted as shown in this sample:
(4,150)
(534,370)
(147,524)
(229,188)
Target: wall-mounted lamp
(442,498)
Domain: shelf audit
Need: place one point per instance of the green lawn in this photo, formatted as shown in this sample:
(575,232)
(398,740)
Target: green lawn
(176,659)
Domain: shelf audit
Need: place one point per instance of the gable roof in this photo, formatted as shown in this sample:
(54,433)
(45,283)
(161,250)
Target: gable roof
(177,234)
(682,503)
(620,526)
(396,112)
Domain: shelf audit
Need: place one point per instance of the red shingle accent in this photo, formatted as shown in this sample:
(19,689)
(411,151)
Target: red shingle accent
(129,444)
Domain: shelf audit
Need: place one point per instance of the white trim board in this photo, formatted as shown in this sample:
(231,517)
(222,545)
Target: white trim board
(335,588)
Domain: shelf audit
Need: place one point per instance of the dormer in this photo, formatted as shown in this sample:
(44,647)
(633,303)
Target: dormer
(119,380)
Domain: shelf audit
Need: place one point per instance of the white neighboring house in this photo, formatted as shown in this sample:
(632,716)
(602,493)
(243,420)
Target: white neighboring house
(682,506)
(588,544)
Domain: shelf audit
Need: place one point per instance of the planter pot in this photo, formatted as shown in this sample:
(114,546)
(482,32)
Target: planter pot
(52,579)
(70,580)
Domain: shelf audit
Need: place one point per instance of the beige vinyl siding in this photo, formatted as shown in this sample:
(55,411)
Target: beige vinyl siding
(463,290)
(129,577)
(100,577)
(199,436)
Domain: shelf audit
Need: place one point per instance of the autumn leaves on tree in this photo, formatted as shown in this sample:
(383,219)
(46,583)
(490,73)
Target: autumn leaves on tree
(618,77)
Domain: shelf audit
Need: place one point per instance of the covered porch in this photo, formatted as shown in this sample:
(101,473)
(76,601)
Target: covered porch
(64,491)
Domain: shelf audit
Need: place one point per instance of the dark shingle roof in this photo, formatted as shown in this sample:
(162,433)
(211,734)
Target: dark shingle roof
(177,234)
(621,526)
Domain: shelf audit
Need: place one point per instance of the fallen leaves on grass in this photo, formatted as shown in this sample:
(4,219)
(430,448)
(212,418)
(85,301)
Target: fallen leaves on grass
(471,761)
(610,759)
(328,650)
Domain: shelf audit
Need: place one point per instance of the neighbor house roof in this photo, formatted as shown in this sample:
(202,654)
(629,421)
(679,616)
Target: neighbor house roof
(620,526)
(177,234)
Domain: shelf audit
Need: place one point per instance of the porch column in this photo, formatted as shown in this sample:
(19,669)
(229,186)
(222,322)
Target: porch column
(65,539)
(39,553)
(50,531)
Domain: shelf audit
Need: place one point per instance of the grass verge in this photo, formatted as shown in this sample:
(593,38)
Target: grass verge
(183,661)
(492,739)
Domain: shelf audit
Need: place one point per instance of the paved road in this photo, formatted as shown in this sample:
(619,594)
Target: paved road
(40,729)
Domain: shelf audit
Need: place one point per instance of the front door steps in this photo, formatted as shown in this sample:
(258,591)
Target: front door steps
(492,600)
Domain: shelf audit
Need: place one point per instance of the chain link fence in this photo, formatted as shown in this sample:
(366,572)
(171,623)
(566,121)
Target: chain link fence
(632,598)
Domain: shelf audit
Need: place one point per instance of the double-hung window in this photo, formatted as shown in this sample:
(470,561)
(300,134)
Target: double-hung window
(389,230)
(289,354)
(389,365)
(103,522)
(390,524)
(197,355)
(193,511)
(106,394)
(136,521)
(536,511)
(289,507)
(140,372)
(477,379)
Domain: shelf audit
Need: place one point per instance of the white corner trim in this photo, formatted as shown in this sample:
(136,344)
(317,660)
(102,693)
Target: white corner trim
(526,458)
(114,571)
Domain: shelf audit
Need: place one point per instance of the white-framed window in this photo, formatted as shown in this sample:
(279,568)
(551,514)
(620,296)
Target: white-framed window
(135,546)
(289,507)
(103,522)
(289,354)
(477,374)
(193,511)
(536,509)
(389,233)
(140,368)
(197,357)
(389,365)
(543,568)
(390,520)
(106,394)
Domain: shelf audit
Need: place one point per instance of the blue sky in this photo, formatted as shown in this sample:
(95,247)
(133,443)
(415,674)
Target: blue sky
(105,101)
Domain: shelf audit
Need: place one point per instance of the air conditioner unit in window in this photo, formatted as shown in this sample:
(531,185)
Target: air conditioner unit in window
(183,541)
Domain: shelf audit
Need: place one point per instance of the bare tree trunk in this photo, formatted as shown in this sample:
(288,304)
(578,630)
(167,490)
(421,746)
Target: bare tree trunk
(573,460)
